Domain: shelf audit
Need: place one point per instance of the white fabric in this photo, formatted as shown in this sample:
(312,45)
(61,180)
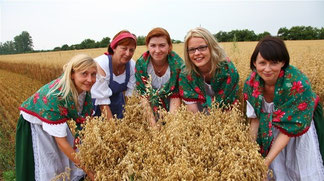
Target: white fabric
(49,160)
(300,159)
(101,91)
(158,82)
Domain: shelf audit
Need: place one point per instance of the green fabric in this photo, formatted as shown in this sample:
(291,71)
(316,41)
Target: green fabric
(224,83)
(24,152)
(319,125)
(294,104)
(52,109)
(158,97)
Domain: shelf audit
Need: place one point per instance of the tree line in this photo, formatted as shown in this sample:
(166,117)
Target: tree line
(23,43)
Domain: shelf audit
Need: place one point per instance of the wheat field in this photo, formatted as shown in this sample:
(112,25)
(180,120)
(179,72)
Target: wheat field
(21,75)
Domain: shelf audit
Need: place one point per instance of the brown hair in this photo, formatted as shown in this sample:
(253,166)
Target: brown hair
(158,32)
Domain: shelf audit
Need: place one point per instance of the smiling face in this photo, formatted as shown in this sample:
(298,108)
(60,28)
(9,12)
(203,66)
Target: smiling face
(159,49)
(83,80)
(199,54)
(124,53)
(268,70)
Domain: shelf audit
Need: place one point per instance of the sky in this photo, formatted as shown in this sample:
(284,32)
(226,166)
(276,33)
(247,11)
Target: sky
(53,23)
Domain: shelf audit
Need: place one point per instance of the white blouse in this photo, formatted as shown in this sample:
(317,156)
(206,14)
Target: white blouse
(158,82)
(101,91)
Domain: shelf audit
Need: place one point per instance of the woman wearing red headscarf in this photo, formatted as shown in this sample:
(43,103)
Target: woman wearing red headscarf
(116,76)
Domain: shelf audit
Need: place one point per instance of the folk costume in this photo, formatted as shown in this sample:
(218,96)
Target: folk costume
(43,117)
(223,87)
(292,113)
(109,90)
(161,89)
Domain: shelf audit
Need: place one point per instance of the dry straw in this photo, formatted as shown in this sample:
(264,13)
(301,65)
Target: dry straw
(188,147)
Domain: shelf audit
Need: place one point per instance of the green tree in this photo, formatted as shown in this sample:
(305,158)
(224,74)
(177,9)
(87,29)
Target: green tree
(65,47)
(7,48)
(262,35)
(320,33)
(104,42)
(87,43)
(23,42)
(141,40)
(283,33)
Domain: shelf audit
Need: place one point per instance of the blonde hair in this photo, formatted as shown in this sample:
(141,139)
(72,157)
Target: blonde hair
(217,53)
(79,62)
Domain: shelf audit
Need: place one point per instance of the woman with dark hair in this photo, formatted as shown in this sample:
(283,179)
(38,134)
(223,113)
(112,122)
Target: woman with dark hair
(116,76)
(281,107)
(162,66)
(209,75)
(45,146)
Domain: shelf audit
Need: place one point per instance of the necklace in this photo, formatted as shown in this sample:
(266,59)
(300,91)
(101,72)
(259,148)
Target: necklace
(161,70)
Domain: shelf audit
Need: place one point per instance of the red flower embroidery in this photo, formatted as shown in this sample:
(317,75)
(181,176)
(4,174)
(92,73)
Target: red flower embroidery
(228,80)
(172,87)
(245,96)
(201,97)
(198,90)
(289,118)
(63,111)
(80,120)
(54,83)
(45,100)
(189,77)
(255,93)
(282,73)
(296,88)
(302,106)
(256,84)
(278,115)
(36,97)
(181,91)
(221,92)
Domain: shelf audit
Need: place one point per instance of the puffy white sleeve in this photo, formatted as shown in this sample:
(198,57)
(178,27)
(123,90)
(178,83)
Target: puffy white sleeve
(250,113)
(100,90)
(132,81)
(57,130)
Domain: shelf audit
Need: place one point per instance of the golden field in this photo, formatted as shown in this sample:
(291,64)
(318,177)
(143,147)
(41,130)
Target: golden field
(21,75)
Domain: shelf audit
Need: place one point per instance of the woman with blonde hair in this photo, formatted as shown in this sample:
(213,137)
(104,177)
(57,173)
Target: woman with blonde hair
(45,146)
(116,76)
(162,65)
(209,75)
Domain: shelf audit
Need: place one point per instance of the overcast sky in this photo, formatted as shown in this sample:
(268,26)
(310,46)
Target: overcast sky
(52,23)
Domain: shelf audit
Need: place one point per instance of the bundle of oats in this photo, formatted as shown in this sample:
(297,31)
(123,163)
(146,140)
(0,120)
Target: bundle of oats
(187,147)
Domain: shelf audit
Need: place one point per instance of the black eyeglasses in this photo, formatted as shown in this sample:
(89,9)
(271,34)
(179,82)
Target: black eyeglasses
(200,49)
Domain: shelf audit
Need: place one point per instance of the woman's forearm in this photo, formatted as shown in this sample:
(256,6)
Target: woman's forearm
(254,127)
(174,104)
(279,144)
(67,149)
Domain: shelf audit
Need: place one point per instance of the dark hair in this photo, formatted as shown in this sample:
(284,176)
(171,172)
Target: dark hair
(271,49)
(158,32)
(125,41)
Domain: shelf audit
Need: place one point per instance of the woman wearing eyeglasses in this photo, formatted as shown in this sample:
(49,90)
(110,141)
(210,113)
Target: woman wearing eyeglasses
(209,75)
(157,74)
